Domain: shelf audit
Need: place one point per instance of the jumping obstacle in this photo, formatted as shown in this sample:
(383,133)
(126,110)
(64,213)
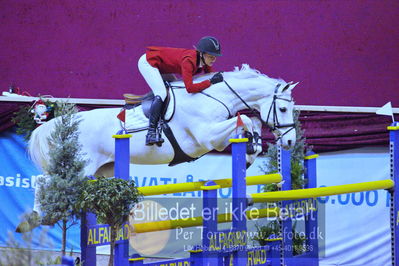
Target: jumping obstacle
(279,250)
(321,191)
(209,188)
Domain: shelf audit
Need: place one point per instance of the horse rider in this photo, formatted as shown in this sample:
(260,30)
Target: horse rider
(160,63)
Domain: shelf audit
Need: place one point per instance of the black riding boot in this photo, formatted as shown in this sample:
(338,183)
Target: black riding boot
(155,112)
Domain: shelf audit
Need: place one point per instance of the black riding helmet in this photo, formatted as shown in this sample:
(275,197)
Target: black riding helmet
(209,45)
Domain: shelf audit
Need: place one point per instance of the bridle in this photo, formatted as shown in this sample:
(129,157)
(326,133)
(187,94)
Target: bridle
(273,107)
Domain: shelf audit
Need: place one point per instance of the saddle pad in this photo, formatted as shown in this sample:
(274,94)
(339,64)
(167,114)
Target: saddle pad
(136,119)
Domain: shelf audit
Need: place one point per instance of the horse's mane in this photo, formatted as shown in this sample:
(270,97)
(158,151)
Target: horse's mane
(247,72)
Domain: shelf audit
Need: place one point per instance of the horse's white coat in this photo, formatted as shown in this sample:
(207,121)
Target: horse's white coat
(200,124)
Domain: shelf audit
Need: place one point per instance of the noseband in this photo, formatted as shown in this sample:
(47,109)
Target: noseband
(273,107)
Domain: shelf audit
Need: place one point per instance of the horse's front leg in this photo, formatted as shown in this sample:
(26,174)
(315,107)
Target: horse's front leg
(216,136)
(254,147)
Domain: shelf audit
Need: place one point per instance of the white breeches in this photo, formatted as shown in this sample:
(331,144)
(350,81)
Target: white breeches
(152,76)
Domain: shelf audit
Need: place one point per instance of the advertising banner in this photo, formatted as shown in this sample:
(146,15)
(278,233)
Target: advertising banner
(354,228)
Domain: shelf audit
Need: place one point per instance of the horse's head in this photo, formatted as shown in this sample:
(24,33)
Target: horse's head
(253,90)
(278,113)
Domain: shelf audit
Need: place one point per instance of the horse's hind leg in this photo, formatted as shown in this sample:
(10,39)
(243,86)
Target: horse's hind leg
(106,170)
(33,219)
(99,165)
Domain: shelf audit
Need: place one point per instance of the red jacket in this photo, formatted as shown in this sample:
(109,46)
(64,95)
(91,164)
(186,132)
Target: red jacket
(179,61)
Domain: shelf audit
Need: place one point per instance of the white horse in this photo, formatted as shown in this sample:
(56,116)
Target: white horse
(201,122)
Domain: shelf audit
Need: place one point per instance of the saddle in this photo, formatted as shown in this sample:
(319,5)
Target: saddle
(168,109)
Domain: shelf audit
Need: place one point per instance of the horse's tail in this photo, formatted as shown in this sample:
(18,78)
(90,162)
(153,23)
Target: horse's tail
(38,146)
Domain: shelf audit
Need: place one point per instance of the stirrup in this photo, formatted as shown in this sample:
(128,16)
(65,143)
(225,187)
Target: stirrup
(150,139)
(153,138)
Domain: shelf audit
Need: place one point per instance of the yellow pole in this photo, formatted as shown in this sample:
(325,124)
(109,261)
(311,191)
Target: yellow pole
(196,186)
(321,191)
(197,221)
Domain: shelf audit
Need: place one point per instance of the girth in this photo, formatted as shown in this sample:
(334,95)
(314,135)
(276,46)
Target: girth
(180,156)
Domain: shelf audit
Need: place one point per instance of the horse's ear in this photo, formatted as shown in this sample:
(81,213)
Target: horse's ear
(290,86)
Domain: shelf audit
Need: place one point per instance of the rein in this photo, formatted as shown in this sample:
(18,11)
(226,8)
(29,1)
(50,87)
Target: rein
(276,124)
(222,103)
(203,93)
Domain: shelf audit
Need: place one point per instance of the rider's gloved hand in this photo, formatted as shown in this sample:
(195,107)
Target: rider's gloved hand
(218,77)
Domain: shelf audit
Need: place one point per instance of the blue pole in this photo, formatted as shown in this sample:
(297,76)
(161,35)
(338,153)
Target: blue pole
(311,221)
(122,156)
(122,164)
(239,196)
(210,223)
(88,254)
(284,163)
(67,261)
(394,193)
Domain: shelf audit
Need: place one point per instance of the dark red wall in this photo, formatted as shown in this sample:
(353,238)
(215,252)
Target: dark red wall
(344,52)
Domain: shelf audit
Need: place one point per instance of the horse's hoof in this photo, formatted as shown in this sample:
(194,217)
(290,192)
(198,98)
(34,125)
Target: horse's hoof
(32,221)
